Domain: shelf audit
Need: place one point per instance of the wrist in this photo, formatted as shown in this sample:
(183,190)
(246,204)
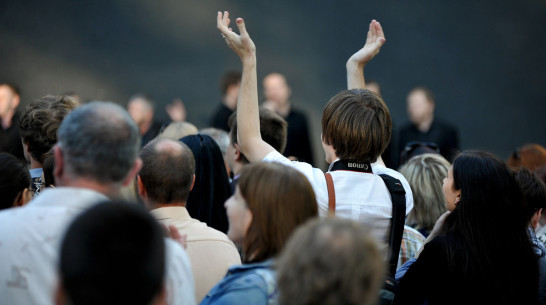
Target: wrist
(353,64)
(249,60)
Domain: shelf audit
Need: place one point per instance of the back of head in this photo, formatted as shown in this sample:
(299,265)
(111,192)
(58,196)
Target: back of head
(219,135)
(167,171)
(357,124)
(531,156)
(114,253)
(330,261)
(533,189)
(40,122)
(212,188)
(273,129)
(280,199)
(425,174)
(14,178)
(99,141)
(177,130)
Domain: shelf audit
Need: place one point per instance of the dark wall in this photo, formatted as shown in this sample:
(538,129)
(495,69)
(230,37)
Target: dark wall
(484,60)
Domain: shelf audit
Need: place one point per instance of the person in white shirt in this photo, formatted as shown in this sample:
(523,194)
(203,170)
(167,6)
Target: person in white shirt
(164,183)
(96,154)
(356,129)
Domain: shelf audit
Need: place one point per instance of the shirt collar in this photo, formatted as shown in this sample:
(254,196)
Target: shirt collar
(179,212)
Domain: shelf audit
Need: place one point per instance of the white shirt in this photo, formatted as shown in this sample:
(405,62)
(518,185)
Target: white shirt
(362,197)
(30,239)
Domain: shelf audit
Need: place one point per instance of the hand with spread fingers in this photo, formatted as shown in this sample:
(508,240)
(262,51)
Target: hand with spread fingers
(240,43)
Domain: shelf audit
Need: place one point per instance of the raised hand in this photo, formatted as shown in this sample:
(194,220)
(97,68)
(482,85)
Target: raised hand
(241,44)
(374,41)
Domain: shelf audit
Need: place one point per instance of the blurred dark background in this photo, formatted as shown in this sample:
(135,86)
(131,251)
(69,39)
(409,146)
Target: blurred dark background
(485,61)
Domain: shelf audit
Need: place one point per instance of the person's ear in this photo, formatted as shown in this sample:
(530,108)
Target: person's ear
(58,169)
(133,173)
(25,197)
(458,198)
(237,153)
(192,183)
(141,189)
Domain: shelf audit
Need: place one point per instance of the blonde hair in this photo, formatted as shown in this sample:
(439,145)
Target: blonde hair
(425,174)
(178,130)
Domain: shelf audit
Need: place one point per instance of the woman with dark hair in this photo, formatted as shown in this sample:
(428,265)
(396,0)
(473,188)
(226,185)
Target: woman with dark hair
(480,252)
(14,182)
(211,188)
(270,201)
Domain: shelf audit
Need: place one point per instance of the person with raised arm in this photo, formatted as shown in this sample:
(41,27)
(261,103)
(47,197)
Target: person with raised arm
(356,129)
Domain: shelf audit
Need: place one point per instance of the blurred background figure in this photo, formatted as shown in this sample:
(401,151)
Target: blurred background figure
(10,142)
(277,98)
(424,127)
(177,130)
(141,108)
(229,87)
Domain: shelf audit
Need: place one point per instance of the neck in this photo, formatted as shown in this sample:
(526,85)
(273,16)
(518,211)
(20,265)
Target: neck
(424,125)
(284,109)
(236,169)
(167,205)
(34,164)
(110,190)
(144,127)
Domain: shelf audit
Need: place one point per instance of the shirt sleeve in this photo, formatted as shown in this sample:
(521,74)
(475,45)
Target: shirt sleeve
(179,278)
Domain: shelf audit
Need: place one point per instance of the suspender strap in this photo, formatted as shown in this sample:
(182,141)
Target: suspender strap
(398,197)
(331,194)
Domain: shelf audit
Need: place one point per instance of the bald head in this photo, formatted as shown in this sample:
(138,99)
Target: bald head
(168,168)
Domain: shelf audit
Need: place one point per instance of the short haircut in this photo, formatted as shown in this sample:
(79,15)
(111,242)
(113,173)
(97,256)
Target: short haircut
(357,124)
(167,172)
(113,253)
(273,129)
(40,122)
(330,261)
(99,140)
(533,189)
(428,93)
(13,180)
(425,174)
(14,88)
(228,79)
(280,199)
(177,130)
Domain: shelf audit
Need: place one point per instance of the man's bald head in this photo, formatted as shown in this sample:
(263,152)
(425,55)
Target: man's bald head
(168,168)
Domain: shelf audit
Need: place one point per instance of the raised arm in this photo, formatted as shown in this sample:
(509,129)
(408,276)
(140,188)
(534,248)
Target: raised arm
(248,119)
(355,64)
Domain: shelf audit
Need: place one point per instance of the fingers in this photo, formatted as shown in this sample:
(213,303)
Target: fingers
(222,22)
(379,31)
(241,25)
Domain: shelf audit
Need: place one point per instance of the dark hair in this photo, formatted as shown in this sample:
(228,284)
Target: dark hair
(426,91)
(14,88)
(228,79)
(48,165)
(40,122)
(273,129)
(489,194)
(99,140)
(533,190)
(211,188)
(531,156)
(280,199)
(14,178)
(357,124)
(167,172)
(330,261)
(113,253)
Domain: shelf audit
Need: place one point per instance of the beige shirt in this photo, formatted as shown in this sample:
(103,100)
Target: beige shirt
(211,252)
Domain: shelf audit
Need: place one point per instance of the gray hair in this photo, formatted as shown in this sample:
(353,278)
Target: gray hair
(99,140)
(220,136)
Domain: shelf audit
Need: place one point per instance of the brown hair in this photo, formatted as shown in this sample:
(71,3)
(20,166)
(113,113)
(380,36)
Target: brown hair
(167,172)
(530,156)
(280,198)
(357,124)
(273,129)
(228,79)
(330,261)
(40,122)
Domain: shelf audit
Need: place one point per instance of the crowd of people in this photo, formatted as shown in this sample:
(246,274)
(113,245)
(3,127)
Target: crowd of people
(101,204)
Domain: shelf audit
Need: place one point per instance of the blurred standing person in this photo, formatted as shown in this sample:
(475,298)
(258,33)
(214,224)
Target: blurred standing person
(229,87)
(277,98)
(10,142)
